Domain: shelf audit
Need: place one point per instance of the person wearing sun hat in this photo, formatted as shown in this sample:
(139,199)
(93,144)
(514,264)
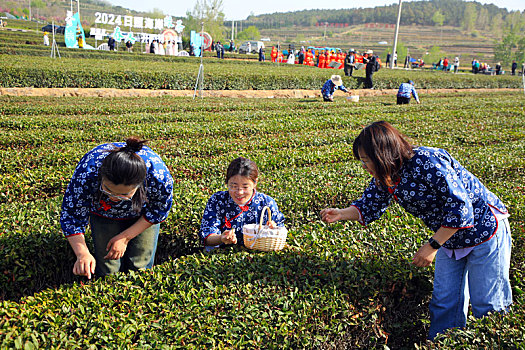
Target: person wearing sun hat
(335,82)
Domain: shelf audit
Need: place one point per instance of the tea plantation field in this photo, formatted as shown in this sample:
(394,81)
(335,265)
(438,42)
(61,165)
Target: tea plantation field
(335,286)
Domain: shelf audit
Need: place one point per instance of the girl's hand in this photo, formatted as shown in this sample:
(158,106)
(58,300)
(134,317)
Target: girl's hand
(85,265)
(116,247)
(424,256)
(229,237)
(272,224)
(331,215)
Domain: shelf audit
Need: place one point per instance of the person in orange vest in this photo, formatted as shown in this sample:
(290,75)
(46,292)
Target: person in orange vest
(273,54)
(280,57)
(322,60)
(340,59)
(328,58)
(307,58)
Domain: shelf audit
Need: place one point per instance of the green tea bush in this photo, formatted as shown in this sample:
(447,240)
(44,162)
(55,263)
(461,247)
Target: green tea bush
(335,286)
(126,71)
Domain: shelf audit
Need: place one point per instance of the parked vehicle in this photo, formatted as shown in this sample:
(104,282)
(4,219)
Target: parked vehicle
(254,46)
(58,29)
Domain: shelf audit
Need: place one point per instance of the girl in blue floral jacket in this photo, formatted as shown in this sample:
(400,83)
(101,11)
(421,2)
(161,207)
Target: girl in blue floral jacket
(228,211)
(471,241)
(124,191)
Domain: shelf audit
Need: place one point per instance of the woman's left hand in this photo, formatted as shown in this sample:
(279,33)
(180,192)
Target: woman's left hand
(272,224)
(424,256)
(116,247)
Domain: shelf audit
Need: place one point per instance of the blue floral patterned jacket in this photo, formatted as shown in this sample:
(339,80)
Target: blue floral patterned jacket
(222,213)
(83,197)
(437,189)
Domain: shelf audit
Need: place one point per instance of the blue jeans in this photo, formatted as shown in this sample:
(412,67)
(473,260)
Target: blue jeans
(140,253)
(483,275)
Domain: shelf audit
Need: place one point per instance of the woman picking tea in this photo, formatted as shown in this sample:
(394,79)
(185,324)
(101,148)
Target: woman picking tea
(471,241)
(228,211)
(123,190)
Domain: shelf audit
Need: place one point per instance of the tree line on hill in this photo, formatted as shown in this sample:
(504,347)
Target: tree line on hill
(457,13)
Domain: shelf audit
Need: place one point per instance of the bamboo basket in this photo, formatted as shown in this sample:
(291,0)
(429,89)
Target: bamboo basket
(262,237)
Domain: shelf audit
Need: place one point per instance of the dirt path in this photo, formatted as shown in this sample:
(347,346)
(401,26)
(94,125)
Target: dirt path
(94,92)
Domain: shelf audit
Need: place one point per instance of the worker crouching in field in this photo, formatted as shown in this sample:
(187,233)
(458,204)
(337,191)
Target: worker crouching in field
(471,238)
(335,82)
(124,191)
(228,211)
(406,91)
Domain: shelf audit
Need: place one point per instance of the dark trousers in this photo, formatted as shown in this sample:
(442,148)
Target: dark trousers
(369,83)
(349,70)
(140,253)
(403,100)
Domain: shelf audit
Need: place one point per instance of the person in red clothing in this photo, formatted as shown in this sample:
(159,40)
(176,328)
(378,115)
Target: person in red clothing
(341,59)
(280,57)
(445,64)
(273,54)
(322,60)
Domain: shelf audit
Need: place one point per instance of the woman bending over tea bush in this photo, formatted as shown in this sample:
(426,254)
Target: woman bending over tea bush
(471,241)
(123,190)
(228,211)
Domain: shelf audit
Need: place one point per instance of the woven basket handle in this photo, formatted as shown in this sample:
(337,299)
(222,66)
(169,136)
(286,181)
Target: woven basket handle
(267,208)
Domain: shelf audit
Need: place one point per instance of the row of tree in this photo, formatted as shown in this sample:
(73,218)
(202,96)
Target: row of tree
(457,13)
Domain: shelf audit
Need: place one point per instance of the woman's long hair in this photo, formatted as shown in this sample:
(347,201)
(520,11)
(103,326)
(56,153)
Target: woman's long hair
(386,148)
(123,166)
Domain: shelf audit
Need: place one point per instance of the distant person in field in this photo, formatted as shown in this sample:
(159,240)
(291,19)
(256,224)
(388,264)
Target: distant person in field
(228,211)
(456,64)
(498,68)
(46,39)
(80,41)
(329,87)
(111,43)
(129,46)
(261,54)
(123,190)
(514,67)
(349,63)
(372,66)
(388,57)
(471,238)
(405,92)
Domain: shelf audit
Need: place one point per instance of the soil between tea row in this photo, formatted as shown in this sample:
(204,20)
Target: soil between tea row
(112,92)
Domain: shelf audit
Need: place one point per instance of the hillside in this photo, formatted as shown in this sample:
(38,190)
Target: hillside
(456,13)
(56,9)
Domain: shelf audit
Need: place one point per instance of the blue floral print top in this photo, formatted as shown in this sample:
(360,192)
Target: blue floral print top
(437,189)
(222,214)
(329,87)
(83,197)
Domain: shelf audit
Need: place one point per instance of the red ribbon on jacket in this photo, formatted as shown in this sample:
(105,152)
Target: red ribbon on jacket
(228,222)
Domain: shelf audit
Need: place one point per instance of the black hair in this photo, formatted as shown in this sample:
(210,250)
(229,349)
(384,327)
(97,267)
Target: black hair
(123,166)
(244,167)
(386,147)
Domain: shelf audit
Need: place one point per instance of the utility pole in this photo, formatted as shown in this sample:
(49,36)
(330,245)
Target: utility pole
(394,49)
(29,10)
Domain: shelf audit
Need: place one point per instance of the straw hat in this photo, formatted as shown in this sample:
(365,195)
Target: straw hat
(336,79)
(370,52)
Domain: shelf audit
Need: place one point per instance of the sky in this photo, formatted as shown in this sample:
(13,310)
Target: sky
(237,9)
